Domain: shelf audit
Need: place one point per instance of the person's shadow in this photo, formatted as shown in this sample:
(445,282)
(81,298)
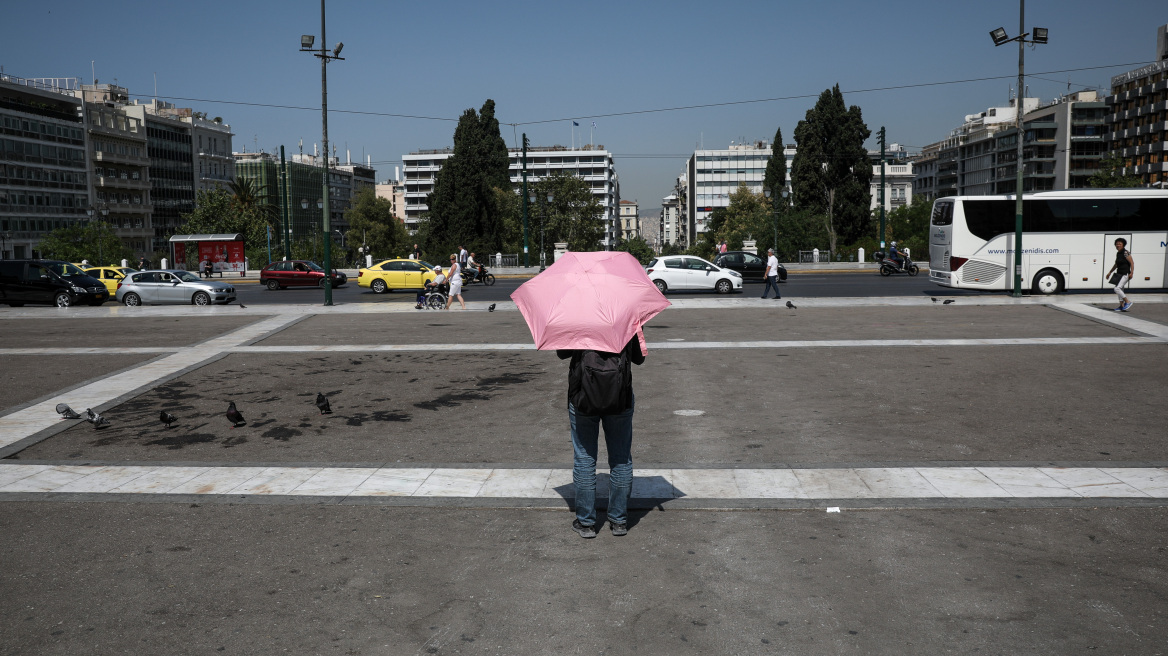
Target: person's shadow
(649,492)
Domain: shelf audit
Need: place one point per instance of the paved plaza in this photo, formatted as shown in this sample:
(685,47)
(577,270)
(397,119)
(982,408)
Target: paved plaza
(856,475)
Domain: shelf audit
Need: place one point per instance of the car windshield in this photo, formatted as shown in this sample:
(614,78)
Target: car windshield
(186,276)
(313,266)
(65,269)
(426,264)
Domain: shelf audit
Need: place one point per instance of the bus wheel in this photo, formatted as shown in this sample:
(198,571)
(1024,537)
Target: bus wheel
(1048,281)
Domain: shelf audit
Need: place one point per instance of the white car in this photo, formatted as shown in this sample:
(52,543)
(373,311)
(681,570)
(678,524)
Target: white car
(678,272)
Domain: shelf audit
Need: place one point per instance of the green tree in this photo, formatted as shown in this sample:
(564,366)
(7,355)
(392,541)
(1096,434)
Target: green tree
(371,221)
(217,211)
(831,173)
(775,178)
(638,248)
(1112,173)
(95,241)
(573,216)
(463,207)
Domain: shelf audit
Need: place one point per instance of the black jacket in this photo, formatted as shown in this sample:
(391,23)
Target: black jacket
(632,351)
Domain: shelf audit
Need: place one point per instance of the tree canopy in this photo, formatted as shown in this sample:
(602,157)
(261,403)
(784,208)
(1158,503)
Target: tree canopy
(831,172)
(1112,174)
(217,211)
(371,221)
(775,178)
(463,207)
(95,241)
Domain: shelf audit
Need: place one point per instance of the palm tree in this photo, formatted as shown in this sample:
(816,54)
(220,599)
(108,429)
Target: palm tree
(249,197)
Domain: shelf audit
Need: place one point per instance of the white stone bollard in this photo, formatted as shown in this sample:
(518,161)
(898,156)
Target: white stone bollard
(815,255)
(368,260)
(164,263)
(860,255)
(125,264)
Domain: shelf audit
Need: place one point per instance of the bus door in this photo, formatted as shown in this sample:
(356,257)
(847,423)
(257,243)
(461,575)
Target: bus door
(1109,259)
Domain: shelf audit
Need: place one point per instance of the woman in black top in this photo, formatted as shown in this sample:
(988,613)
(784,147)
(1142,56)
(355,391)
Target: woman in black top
(618,440)
(1124,268)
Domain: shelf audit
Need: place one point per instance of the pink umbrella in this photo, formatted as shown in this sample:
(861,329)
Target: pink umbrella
(592,301)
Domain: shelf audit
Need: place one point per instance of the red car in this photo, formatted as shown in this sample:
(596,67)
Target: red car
(297,273)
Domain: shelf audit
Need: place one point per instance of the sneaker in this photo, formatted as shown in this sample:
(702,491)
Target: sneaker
(1126,306)
(1118,309)
(584,531)
(619,529)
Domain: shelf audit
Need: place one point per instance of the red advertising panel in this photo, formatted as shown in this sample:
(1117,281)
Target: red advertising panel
(207,253)
(234,256)
(180,254)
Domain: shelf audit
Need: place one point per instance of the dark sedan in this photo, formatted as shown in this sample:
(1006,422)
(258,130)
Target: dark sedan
(48,281)
(298,273)
(751,266)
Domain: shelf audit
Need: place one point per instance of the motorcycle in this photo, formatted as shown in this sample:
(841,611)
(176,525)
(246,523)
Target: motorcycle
(889,266)
(484,277)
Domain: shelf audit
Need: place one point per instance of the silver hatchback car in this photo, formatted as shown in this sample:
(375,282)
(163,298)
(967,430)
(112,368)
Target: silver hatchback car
(161,286)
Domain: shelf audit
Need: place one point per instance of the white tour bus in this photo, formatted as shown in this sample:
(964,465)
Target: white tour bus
(1068,239)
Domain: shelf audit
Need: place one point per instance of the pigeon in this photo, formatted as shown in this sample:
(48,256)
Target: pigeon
(233,415)
(322,402)
(166,418)
(791,305)
(97,420)
(242,305)
(947,301)
(66,412)
(934,299)
(491,307)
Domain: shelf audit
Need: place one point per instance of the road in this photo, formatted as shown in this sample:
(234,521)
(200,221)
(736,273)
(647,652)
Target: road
(828,285)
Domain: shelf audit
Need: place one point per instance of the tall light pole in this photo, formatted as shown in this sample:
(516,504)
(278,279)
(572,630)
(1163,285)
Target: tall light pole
(542,222)
(999,36)
(775,212)
(90,212)
(306,42)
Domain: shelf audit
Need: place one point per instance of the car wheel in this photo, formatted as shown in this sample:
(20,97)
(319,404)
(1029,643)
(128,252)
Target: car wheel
(1048,281)
(724,286)
(321,283)
(378,286)
(201,298)
(62,299)
(132,300)
(661,286)
(273,284)
(489,279)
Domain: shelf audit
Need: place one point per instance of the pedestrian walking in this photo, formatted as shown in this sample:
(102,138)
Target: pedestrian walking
(771,274)
(592,373)
(1124,269)
(722,249)
(455,276)
(462,256)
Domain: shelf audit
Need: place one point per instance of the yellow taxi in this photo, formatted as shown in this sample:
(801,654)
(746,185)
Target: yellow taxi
(109,276)
(395,274)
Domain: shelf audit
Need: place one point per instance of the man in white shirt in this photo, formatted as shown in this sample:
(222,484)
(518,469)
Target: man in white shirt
(472,267)
(772,274)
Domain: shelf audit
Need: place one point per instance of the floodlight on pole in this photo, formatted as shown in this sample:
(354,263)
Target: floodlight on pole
(337,49)
(999,36)
(1039,34)
(306,41)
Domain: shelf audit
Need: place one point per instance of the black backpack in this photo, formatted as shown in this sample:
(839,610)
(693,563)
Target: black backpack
(605,382)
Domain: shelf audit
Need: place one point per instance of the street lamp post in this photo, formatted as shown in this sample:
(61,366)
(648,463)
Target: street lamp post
(306,42)
(775,212)
(90,212)
(315,231)
(542,222)
(1000,37)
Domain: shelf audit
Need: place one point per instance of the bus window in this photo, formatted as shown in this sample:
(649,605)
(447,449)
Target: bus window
(943,213)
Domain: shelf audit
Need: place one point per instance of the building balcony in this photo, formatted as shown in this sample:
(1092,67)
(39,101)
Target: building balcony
(115,132)
(120,183)
(213,155)
(1086,137)
(116,158)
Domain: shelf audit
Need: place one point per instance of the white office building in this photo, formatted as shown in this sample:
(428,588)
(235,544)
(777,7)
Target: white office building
(594,165)
(712,175)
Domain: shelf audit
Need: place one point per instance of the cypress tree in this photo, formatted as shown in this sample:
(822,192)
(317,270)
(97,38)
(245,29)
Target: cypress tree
(831,173)
(462,207)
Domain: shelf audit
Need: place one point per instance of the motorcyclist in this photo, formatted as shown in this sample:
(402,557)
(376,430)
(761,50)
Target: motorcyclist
(472,268)
(895,255)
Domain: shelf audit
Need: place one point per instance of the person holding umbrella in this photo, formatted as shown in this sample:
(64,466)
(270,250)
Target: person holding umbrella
(589,308)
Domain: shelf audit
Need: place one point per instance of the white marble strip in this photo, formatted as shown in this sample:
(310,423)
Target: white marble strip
(537,483)
(1120,319)
(35,418)
(92,350)
(681,303)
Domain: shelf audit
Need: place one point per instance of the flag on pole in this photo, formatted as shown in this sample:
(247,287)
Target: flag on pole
(593,123)
(575,124)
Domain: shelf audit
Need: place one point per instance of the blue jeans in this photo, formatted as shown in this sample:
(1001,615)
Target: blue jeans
(618,439)
(772,281)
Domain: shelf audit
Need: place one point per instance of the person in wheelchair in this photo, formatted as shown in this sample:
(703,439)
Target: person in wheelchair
(438,284)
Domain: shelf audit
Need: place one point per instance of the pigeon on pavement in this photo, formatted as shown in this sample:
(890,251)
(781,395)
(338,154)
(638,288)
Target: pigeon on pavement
(491,307)
(97,420)
(791,305)
(322,402)
(66,412)
(947,301)
(934,299)
(242,305)
(166,418)
(233,415)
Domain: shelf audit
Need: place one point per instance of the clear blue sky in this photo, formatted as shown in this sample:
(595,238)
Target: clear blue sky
(543,61)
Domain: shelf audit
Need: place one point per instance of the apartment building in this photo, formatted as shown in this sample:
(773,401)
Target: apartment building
(898,178)
(1063,144)
(671,228)
(214,167)
(394,191)
(712,175)
(593,164)
(299,192)
(44,183)
(122,175)
(1137,118)
(630,224)
(169,143)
